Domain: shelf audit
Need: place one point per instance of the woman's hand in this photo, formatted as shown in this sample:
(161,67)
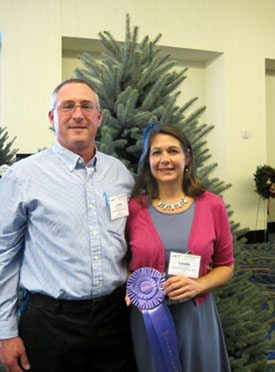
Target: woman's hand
(179,287)
(127,300)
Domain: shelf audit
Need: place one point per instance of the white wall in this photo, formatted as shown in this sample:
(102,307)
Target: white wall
(270,139)
(234,84)
(31,67)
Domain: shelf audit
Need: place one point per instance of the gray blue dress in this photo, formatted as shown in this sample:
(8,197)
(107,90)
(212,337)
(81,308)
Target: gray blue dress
(199,331)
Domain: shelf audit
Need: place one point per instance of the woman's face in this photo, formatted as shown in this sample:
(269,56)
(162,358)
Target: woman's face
(167,159)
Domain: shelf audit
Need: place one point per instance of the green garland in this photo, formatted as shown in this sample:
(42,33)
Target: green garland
(264,177)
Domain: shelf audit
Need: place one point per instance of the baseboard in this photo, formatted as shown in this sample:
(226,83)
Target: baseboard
(256,236)
(271,227)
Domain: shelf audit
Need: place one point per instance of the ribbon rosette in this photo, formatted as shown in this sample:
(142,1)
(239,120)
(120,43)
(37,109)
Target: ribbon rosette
(144,288)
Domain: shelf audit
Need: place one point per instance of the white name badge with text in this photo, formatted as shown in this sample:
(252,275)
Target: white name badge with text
(184,264)
(118,206)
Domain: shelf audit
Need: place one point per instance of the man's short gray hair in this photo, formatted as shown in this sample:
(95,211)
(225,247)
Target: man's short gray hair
(71,81)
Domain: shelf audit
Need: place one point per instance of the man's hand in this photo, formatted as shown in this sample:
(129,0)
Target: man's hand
(11,351)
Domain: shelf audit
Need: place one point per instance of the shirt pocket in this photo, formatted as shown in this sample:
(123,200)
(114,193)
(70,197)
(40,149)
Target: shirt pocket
(114,226)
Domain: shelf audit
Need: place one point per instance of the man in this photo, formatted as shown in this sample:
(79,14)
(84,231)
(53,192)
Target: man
(63,213)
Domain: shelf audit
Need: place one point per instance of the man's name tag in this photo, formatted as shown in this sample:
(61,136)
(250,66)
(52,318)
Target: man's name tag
(118,206)
(184,264)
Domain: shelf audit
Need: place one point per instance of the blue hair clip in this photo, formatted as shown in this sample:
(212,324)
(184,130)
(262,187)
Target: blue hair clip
(148,129)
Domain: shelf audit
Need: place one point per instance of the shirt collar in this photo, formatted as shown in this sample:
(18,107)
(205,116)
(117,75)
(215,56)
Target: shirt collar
(71,159)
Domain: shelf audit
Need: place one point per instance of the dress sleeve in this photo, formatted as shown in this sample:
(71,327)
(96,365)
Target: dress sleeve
(223,250)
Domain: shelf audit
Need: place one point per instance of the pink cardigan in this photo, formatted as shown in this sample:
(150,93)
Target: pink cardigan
(210,237)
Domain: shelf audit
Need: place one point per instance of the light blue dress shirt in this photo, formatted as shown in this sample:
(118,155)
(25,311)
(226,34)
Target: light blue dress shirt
(56,233)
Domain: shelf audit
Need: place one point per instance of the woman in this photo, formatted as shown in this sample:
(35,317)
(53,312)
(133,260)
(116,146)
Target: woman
(171,213)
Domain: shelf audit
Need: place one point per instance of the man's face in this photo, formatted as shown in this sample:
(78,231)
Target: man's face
(76,130)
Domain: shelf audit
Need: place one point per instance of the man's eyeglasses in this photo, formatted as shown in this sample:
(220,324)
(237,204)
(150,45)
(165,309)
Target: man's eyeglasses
(71,106)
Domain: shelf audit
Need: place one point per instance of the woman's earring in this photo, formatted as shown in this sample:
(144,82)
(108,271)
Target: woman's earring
(186,169)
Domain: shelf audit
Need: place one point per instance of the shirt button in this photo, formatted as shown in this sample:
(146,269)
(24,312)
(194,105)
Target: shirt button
(96,258)
(91,206)
(94,233)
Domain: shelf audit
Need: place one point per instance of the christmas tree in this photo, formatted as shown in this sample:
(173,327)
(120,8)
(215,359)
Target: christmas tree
(137,87)
(7,156)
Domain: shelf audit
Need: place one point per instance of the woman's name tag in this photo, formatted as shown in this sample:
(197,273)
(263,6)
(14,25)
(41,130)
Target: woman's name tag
(184,264)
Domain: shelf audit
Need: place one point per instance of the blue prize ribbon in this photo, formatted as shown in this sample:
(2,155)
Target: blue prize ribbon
(145,290)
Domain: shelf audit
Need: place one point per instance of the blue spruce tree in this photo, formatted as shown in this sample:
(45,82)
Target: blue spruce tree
(7,155)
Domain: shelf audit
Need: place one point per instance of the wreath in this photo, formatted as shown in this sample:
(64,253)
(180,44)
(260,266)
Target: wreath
(265,181)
